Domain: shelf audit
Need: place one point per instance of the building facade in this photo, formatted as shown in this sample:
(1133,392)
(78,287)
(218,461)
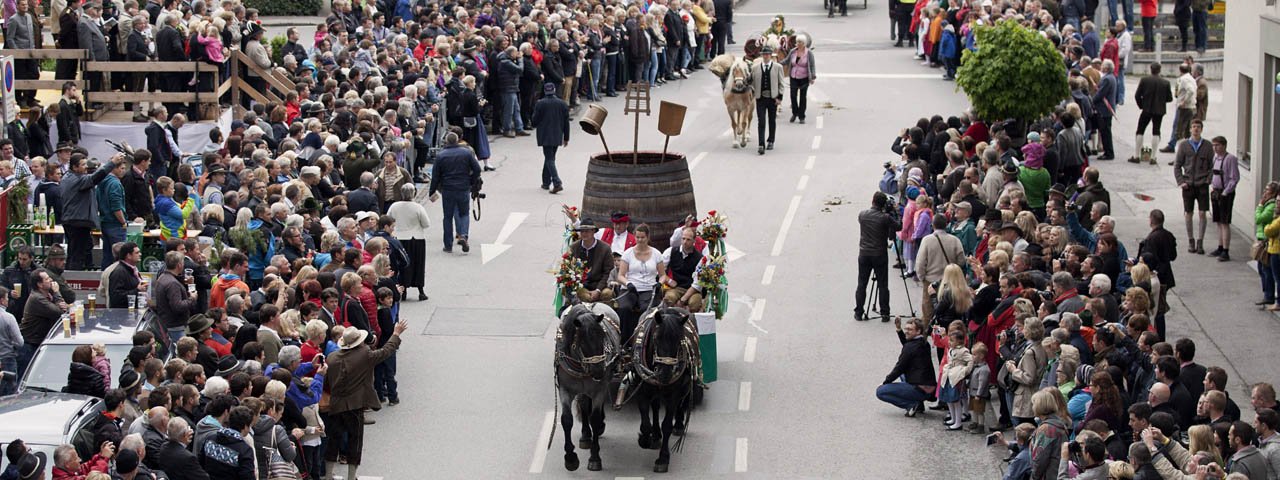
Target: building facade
(1251,98)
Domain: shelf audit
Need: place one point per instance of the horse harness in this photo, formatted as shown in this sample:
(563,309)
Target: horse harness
(746,77)
(572,362)
(686,356)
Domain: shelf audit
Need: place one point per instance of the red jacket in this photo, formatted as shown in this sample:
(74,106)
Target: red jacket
(607,237)
(370,303)
(1111,51)
(95,464)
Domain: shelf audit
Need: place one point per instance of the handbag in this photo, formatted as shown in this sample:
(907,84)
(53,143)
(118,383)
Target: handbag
(1259,252)
(277,467)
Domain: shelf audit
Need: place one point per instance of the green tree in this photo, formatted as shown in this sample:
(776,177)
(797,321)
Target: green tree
(1015,73)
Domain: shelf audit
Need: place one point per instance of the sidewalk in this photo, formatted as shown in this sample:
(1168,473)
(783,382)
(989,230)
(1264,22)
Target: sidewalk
(1213,301)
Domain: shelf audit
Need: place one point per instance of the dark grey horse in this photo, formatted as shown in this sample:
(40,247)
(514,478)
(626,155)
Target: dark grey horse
(587,347)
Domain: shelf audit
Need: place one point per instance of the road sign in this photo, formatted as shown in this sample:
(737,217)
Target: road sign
(6,89)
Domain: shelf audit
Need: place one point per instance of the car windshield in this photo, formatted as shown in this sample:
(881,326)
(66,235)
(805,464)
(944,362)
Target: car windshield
(51,364)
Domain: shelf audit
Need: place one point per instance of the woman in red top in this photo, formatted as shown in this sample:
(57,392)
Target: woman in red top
(1149,12)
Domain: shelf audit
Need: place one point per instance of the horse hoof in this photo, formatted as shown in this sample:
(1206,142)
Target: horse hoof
(660,468)
(584,444)
(594,465)
(644,441)
(571,462)
(655,441)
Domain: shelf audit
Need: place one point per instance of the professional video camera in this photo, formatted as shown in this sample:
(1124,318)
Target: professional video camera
(122,147)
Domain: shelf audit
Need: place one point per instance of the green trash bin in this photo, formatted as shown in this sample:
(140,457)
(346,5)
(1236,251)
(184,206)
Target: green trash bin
(707,345)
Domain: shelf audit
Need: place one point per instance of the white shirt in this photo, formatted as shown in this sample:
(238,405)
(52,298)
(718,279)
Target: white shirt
(642,274)
(619,241)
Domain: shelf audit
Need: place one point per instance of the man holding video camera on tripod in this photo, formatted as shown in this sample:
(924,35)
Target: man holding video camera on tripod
(878,227)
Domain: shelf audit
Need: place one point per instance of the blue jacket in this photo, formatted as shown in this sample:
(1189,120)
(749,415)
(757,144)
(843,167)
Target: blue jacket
(169,213)
(258,263)
(456,169)
(947,48)
(1020,466)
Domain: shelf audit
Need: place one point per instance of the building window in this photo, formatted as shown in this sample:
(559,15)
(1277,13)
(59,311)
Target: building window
(1244,121)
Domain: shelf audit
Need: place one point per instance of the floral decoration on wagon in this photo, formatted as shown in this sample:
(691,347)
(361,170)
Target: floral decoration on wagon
(713,230)
(714,285)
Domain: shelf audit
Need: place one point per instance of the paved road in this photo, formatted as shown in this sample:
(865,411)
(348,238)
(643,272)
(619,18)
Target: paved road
(795,395)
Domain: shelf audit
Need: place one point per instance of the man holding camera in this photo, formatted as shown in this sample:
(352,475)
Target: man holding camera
(454,176)
(878,226)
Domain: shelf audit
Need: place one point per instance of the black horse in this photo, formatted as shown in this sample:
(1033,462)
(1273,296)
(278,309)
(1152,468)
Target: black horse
(665,352)
(587,347)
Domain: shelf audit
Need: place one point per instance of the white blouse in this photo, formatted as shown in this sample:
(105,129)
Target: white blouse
(642,274)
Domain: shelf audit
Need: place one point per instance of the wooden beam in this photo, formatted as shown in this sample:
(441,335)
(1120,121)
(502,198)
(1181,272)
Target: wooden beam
(226,85)
(283,85)
(163,97)
(45,84)
(141,67)
(268,97)
(43,53)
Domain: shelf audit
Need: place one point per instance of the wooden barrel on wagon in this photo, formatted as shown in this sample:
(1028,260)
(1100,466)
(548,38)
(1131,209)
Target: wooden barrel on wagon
(655,190)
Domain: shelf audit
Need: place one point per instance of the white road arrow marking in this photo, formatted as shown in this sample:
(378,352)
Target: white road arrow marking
(490,251)
(731,253)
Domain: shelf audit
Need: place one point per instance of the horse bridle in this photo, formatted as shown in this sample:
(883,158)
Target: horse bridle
(574,364)
(681,361)
(744,69)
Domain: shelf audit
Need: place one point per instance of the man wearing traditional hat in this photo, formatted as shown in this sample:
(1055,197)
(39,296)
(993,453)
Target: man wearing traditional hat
(551,118)
(766,82)
(200,327)
(55,262)
(351,392)
(213,189)
(619,238)
(599,262)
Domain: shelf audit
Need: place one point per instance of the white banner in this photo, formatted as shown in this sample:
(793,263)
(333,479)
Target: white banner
(192,137)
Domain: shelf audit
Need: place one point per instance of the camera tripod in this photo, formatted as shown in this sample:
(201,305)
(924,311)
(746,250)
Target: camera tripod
(874,299)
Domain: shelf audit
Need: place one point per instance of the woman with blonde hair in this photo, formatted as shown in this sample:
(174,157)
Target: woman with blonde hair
(1202,439)
(1136,302)
(290,322)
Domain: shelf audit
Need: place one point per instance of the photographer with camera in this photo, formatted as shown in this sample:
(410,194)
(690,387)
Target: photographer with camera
(78,207)
(455,177)
(878,228)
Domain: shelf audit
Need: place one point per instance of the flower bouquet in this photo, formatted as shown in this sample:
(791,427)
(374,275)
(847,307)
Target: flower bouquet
(713,230)
(711,280)
(570,275)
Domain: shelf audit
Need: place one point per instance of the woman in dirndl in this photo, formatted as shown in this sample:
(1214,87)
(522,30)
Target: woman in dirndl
(411,230)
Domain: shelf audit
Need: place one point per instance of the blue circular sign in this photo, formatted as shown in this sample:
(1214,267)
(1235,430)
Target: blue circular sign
(8,77)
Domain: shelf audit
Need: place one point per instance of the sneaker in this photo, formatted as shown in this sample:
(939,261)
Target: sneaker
(769,147)
(393,401)
(466,246)
(914,409)
(522,133)
(557,189)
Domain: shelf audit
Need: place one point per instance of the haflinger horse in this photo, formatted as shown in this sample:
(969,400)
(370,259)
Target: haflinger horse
(739,98)
(587,347)
(665,357)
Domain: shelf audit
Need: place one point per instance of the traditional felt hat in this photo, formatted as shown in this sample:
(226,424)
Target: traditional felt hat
(31,464)
(620,217)
(227,365)
(56,251)
(1011,226)
(198,323)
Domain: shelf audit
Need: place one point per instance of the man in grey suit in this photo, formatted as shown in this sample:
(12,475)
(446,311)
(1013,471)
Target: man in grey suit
(551,118)
(766,81)
(22,31)
(1104,101)
(91,39)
